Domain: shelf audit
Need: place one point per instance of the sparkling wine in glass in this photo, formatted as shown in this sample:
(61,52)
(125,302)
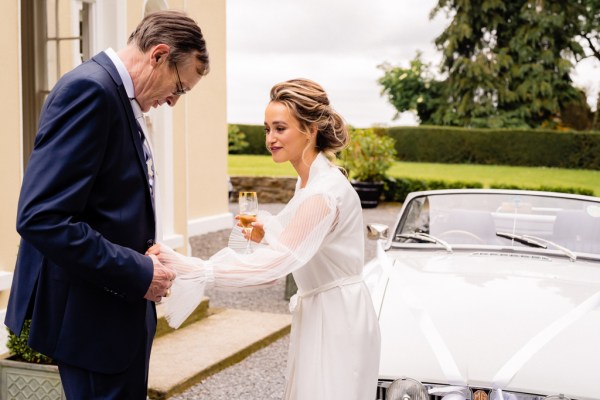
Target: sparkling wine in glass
(248,202)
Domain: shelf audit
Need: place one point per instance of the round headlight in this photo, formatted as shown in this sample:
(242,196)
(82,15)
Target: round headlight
(406,389)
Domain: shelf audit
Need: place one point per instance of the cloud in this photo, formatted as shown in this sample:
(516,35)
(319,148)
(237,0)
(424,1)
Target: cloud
(338,43)
(330,26)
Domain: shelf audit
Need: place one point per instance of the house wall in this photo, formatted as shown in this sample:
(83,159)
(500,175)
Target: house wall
(207,128)
(10,150)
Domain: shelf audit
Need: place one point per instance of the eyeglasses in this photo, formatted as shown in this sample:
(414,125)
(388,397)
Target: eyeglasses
(180,91)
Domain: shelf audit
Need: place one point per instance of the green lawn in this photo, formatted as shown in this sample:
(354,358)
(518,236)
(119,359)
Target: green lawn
(246,165)
(486,174)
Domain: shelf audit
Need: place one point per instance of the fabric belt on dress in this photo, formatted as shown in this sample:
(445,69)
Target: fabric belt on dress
(349,280)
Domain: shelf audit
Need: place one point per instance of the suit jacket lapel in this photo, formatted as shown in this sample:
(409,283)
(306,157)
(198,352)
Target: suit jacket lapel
(104,61)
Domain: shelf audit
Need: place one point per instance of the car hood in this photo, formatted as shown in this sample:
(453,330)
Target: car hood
(510,321)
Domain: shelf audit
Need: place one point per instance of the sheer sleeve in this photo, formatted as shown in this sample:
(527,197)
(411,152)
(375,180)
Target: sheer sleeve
(291,239)
(238,242)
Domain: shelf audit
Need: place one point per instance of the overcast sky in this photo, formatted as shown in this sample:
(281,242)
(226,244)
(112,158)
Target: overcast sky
(337,43)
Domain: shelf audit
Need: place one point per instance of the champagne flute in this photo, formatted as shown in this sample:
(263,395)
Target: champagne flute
(248,203)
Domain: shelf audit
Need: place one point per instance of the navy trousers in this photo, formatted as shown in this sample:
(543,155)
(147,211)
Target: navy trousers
(131,384)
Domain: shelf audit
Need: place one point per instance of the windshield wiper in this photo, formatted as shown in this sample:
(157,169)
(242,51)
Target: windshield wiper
(535,241)
(521,239)
(424,237)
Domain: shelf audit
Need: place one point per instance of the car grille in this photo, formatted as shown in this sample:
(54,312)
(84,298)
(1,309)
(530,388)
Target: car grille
(381,395)
(383,385)
(474,394)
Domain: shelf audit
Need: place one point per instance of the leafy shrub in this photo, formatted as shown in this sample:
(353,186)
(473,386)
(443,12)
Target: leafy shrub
(20,349)
(369,155)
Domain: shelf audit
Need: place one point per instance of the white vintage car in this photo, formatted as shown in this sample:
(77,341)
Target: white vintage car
(489,295)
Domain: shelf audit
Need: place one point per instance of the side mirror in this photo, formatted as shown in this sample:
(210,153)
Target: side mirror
(377,231)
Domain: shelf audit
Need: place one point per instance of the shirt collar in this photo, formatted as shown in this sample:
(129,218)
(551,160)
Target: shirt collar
(320,163)
(123,73)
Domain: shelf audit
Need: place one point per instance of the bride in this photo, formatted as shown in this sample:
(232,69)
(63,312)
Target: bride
(318,236)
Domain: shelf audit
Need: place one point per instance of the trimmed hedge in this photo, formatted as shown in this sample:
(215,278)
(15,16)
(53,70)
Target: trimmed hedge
(576,150)
(544,188)
(451,145)
(255,136)
(396,189)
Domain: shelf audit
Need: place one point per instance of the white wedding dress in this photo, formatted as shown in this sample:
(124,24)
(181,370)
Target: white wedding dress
(318,236)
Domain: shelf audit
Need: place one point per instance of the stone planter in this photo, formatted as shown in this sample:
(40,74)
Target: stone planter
(368,192)
(21,380)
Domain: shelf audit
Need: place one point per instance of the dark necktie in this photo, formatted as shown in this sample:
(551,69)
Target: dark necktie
(139,120)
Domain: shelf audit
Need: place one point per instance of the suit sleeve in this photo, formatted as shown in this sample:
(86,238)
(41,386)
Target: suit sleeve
(70,147)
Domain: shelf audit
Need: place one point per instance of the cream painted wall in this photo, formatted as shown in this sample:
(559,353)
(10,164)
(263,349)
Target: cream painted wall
(207,127)
(200,134)
(10,153)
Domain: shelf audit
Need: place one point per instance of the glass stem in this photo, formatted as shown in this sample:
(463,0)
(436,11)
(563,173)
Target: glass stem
(248,243)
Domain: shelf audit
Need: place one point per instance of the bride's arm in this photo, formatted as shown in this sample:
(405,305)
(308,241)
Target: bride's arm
(293,239)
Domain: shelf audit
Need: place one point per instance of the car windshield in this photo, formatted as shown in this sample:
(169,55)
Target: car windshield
(543,222)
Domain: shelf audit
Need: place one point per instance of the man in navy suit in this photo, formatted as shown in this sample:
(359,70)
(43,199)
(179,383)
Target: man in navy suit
(86,212)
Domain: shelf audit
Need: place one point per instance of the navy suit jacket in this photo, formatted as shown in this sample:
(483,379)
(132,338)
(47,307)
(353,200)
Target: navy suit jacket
(85,217)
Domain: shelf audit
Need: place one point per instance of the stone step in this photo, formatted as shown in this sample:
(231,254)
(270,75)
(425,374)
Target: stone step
(186,356)
(162,327)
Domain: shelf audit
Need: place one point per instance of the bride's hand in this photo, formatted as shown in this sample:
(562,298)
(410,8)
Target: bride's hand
(169,257)
(165,254)
(258,232)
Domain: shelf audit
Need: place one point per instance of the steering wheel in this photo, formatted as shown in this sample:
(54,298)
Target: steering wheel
(470,235)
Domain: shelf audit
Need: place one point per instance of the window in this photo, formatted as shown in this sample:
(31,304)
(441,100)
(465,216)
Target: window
(55,38)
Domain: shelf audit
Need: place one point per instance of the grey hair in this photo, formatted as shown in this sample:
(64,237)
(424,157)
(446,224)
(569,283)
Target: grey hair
(175,29)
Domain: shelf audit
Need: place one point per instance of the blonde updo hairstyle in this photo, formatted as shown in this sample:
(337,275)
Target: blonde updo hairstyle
(308,103)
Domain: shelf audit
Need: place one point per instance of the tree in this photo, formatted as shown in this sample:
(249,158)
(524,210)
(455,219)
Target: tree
(590,36)
(590,29)
(412,89)
(505,64)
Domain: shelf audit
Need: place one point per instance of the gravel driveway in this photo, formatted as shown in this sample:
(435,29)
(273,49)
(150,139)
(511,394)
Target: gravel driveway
(260,375)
